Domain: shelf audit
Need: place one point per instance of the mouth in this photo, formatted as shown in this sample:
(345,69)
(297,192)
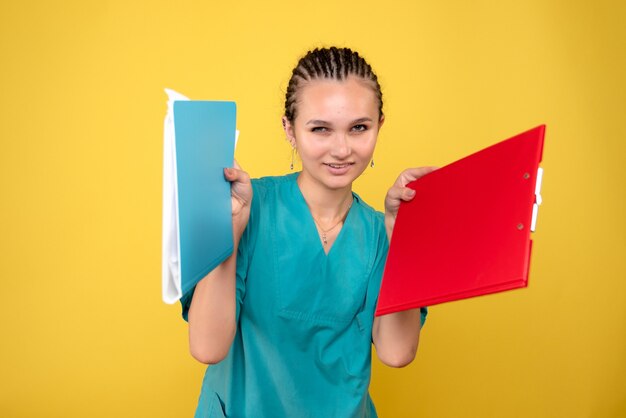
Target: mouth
(338,165)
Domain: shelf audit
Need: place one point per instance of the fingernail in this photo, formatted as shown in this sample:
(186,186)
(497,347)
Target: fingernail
(411,192)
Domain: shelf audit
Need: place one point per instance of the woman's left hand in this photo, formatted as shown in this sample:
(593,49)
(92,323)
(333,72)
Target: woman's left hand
(399,192)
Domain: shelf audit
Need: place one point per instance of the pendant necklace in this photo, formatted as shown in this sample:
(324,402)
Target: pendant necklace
(325,231)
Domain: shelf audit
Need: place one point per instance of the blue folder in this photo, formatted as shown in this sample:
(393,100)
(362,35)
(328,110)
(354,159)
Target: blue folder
(205,145)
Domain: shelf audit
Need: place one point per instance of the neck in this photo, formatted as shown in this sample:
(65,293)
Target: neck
(325,204)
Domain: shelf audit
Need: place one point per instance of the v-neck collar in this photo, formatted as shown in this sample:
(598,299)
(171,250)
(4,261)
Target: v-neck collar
(311,227)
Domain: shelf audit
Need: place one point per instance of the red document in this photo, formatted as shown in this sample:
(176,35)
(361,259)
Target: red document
(467,231)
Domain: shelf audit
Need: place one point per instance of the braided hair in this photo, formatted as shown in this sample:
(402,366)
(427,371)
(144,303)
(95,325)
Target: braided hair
(329,63)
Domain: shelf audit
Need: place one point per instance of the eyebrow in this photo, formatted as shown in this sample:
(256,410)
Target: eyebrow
(325,123)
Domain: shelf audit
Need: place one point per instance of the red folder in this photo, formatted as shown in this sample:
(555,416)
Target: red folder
(467,231)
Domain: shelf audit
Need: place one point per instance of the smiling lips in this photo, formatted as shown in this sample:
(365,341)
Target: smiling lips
(338,168)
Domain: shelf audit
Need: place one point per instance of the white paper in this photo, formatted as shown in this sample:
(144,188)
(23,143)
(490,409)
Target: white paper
(170,266)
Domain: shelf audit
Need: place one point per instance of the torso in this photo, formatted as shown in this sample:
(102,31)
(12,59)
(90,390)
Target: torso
(303,343)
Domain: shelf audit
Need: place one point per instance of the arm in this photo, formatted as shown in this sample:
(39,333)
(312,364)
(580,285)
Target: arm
(212,314)
(396,335)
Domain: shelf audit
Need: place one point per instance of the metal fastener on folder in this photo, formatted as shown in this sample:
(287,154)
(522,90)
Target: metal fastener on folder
(533,222)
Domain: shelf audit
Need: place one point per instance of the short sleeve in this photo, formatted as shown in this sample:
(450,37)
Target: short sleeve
(185,303)
(424,314)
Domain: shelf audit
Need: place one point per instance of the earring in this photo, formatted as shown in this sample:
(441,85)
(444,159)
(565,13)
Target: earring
(293,151)
(372,163)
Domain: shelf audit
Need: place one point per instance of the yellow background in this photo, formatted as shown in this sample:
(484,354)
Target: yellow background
(84,331)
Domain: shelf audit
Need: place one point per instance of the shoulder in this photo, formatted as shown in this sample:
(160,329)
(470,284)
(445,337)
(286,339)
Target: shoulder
(371,215)
(269,184)
(267,192)
(372,221)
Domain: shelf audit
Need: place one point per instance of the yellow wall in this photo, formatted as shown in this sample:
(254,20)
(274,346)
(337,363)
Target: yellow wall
(84,331)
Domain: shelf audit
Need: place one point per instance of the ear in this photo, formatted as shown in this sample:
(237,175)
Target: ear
(381,121)
(289,131)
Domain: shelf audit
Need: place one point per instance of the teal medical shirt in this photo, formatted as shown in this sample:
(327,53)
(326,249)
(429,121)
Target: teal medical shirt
(303,342)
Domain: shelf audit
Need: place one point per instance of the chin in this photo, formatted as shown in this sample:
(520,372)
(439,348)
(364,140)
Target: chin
(337,184)
(340,182)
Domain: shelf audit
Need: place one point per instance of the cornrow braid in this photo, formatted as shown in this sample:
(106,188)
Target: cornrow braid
(329,63)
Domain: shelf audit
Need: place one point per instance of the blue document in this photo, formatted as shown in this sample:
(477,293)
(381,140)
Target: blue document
(201,234)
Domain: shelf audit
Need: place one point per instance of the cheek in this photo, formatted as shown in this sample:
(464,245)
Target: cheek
(310,148)
(365,147)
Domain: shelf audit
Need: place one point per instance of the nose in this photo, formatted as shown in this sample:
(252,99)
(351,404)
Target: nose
(340,148)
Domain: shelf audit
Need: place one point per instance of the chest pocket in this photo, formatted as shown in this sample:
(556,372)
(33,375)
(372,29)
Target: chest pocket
(318,289)
(314,286)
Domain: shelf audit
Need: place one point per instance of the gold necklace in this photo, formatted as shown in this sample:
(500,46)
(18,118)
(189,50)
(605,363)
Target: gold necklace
(324,232)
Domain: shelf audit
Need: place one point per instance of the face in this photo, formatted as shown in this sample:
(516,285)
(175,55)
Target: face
(335,130)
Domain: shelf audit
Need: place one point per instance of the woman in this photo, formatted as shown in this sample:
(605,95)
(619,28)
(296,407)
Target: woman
(287,322)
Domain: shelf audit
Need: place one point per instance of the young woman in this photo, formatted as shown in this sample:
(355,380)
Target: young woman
(286,323)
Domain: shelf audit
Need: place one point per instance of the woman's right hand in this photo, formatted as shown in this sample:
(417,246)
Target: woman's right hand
(241,197)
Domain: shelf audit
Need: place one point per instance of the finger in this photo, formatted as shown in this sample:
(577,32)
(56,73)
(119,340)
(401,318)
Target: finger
(241,187)
(412,174)
(394,193)
(397,194)
(242,176)
(407,194)
(236,175)
(229,174)
(404,193)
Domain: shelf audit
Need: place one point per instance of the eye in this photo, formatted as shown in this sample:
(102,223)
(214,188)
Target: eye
(319,129)
(360,128)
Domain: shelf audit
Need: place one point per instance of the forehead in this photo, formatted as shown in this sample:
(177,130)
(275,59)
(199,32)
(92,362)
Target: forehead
(328,99)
